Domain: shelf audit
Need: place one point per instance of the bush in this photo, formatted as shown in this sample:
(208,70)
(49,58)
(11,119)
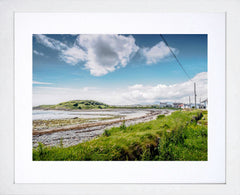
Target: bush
(123,126)
(106,133)
(160,116)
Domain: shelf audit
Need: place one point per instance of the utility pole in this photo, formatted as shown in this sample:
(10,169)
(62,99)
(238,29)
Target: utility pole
(195,95)
(189,100)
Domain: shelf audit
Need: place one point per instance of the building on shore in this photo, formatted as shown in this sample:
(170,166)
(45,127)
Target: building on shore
(166,105)
(163,104)
(177,105)
(201,105)
(205,103)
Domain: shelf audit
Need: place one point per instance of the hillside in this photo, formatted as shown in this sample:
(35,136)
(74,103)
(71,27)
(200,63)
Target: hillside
(74,105)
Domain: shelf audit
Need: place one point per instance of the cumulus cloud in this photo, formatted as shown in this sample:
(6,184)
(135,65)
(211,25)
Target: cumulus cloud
(157,52)
(177,92)
(105,53)
(73,55)
(102,54)
(135,94)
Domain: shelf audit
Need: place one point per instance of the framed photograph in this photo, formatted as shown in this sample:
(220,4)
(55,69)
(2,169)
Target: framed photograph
(119,98)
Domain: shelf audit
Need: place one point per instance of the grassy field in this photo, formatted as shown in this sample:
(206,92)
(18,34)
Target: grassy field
(182,136)
(75,105)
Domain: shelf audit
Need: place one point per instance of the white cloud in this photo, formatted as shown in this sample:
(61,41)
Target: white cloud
(38,53)
(135,94)
(136,86)
(105,53)
(41,83)
(73,55)
(49,42)
(102,54)
(177,92)
(157,52)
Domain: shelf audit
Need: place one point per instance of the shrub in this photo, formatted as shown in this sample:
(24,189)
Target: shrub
(160,116)
(123,126)
(106,133)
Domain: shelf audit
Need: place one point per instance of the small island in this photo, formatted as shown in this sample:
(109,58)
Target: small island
(74,105)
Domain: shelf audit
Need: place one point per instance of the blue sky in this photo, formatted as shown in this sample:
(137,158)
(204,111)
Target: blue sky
(114,64)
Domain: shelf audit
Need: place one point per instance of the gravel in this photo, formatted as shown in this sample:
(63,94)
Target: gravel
(74,137)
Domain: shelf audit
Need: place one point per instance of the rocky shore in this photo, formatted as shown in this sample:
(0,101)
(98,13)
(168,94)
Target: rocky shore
(73,134)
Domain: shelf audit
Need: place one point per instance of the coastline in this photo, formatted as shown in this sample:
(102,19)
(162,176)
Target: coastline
(73,134)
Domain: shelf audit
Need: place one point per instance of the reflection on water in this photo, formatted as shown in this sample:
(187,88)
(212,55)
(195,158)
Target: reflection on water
(59,114)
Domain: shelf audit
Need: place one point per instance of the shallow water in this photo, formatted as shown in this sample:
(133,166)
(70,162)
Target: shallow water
(59,114)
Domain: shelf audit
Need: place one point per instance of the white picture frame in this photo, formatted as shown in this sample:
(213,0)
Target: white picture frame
(7,136)
(28,171)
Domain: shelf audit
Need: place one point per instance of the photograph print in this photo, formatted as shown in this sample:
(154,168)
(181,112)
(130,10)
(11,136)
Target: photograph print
(119,97)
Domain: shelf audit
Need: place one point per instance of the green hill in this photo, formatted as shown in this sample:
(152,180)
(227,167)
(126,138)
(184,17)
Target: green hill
(74,105)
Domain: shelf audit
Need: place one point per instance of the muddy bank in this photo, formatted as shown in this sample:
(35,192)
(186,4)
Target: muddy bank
(74,134)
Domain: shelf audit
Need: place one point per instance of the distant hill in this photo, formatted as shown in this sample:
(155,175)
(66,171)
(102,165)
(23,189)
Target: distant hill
(74,105)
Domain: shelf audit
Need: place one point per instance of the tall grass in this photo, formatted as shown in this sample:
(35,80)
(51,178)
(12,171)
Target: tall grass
(178,137)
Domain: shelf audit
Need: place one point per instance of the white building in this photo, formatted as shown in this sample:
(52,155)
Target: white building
(163,104)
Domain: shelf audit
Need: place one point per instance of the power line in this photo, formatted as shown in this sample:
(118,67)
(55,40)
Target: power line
(175,57)
(195,93)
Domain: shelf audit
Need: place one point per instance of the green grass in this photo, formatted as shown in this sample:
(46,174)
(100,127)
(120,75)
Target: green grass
(75,105)
(178,137)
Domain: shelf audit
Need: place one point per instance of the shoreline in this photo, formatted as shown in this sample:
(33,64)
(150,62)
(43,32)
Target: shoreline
(103,109)
(73,134)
